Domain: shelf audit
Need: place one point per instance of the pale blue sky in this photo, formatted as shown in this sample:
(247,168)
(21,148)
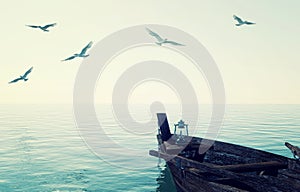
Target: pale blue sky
(259,64)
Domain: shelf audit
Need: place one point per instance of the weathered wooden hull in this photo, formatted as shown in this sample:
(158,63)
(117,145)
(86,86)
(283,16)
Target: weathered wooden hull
(220,166)
(229,167)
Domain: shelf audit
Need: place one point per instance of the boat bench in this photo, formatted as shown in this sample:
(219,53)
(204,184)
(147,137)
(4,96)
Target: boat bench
(263,168)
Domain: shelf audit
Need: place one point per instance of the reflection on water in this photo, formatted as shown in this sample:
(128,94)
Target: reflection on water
(165,181)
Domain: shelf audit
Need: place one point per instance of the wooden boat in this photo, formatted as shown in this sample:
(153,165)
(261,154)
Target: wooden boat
(224,166)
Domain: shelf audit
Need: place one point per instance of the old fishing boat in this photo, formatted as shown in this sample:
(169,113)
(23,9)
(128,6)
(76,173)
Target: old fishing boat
(224,166)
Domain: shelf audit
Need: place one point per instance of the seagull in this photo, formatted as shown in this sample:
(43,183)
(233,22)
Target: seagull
(160,40)
(241,22)
(81,54)
(22,77)
(44,28)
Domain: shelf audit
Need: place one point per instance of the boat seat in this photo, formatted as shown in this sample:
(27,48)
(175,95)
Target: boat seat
(268,168)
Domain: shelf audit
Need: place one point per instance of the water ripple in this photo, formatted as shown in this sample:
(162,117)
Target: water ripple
(41,148)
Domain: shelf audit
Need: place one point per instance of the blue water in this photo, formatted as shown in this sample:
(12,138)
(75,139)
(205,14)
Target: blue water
(42,149)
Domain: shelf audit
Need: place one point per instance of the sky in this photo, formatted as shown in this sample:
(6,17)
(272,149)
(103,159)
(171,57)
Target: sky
(259,64)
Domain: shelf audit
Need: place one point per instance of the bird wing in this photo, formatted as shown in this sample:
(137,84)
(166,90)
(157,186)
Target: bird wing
(69,58)
(33,26)
(49,25)
(86,48)
(174,43)
(238,19)
(27,72)
(249,23)
(154,35)
(15,80)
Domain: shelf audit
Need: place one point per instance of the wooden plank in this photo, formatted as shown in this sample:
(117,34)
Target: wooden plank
(161,155)
(294,165)
(250,167)
(290,174)
(243,151)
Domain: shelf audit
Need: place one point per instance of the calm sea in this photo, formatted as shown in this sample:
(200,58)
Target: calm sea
(43,150)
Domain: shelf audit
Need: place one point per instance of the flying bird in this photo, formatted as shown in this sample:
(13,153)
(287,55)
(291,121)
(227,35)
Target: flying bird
(22,77)
(160,40)
(44,28)
(81,54)
(241,22)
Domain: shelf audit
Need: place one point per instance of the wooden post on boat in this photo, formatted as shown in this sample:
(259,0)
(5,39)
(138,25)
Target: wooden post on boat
(164,126)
